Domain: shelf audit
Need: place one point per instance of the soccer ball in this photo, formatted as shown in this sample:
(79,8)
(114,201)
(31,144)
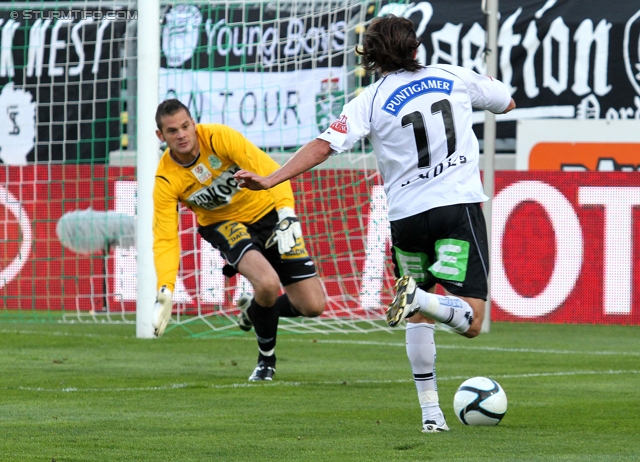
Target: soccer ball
(480,401)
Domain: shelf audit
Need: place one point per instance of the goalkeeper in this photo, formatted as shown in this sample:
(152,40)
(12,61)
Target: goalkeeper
(258,234)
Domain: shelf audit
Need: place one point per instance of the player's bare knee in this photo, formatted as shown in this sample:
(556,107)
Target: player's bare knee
(316,309)
(266,292)
(312,308)
(472,332)
(307,297)
(475,328)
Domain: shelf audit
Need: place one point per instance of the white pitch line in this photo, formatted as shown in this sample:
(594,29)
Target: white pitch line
(177,386)
(484,348)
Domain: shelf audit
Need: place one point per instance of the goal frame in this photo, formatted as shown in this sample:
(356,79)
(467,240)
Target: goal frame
(146,160)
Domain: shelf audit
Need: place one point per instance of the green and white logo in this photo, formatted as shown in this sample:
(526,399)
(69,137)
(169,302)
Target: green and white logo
(329,103)
(453,258)
(180,34)
(214,162)
(412,264)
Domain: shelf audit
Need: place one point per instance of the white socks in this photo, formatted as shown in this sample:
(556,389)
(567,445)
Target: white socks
(421,351)
(452,311)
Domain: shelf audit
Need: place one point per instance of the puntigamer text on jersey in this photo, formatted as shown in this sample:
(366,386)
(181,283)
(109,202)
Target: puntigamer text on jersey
(412,90)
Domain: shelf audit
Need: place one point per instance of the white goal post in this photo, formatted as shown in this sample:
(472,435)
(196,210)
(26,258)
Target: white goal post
(79,84)
(147,160)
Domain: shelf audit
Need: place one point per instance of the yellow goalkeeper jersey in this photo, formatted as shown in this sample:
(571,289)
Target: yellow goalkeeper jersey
(208,188)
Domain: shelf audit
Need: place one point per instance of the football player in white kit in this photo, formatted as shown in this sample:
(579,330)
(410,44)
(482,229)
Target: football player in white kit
(418,120)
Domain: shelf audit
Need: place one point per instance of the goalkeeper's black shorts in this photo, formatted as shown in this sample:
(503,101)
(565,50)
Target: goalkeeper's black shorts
(233,239)
(445,245)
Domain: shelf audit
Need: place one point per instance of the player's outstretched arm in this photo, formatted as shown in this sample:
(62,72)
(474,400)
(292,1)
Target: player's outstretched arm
(308,156)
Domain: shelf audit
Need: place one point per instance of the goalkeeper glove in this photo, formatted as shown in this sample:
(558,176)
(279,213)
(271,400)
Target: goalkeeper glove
(162,311)
(287,231)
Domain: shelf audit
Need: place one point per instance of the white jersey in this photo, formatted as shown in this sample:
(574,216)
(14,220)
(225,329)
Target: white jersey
(419,124)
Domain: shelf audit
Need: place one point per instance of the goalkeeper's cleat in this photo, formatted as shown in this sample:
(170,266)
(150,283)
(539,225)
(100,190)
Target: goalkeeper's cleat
(263,371)
(430,426)
(244,321)
(405,302)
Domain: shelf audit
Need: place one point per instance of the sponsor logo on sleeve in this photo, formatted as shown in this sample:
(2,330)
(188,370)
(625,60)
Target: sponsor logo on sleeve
(340,125)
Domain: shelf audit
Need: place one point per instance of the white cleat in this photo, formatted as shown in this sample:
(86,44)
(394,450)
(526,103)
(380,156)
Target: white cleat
(430,426)
(244,321)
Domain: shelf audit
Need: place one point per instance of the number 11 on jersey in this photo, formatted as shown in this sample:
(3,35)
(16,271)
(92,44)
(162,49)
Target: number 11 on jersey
(416,120)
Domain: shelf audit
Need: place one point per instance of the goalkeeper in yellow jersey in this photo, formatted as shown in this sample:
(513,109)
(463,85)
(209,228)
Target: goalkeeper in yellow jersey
(258,234)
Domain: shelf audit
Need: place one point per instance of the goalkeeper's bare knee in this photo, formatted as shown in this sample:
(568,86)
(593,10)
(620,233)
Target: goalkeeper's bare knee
(307,297)
(312,309)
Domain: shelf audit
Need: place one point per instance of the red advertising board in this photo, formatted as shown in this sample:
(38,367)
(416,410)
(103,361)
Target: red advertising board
(564,247)
(563,243)
(37,272)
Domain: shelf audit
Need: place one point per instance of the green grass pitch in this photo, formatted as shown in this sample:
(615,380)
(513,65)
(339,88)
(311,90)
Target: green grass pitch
(73,392)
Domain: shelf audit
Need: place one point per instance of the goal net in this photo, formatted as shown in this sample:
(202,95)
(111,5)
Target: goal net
(278,71)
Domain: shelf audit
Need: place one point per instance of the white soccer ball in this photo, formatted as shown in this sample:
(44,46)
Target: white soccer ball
(480,401)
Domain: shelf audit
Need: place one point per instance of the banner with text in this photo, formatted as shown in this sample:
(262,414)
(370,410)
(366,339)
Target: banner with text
(63,84)
(581,266)
(560,59)
(61,77)
(272,110)
(573,60)
(276,75)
